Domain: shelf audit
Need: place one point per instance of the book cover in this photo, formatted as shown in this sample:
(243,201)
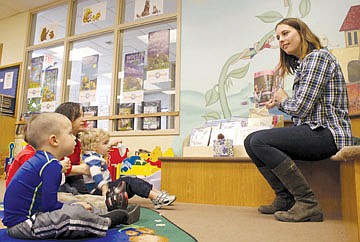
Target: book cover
(158,56)
(200,136)
(263,87)
(125,124)
(134,71)
(91,111)
(151,123)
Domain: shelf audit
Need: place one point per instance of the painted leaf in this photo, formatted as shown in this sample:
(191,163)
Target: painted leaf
(270,17)
(240,72)
(304,7)
(211,97)
(211,116)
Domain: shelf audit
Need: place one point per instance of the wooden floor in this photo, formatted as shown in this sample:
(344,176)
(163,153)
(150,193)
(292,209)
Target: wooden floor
(213,223)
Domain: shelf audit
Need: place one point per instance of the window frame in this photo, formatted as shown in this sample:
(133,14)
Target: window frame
(117,29)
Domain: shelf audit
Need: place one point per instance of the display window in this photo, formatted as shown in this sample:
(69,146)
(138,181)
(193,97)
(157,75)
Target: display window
(90,62)
(120,60)
(43,90)
(142,9)
(49,25)
(93,15)
(147,77)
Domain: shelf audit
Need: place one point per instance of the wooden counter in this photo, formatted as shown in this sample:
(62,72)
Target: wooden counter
(236,181)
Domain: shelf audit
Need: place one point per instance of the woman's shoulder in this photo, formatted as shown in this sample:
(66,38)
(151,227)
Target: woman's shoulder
(320,55)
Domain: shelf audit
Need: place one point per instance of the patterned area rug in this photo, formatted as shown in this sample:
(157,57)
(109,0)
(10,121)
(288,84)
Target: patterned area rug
(151,227)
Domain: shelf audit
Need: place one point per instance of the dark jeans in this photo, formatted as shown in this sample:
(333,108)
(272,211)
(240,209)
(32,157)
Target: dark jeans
(134,186)
(270,147)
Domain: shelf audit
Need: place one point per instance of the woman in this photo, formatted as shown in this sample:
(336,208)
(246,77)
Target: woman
(319,110)
(74,179)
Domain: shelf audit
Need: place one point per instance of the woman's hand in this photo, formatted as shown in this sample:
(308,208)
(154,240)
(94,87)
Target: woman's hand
(270,104)
(280,95)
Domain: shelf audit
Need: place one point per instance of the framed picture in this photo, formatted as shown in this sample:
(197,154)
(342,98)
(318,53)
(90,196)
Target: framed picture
(9,79)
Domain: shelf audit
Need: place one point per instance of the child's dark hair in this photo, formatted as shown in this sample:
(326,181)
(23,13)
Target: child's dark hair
(70,109)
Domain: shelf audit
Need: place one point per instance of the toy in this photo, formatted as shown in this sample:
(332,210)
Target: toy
(128,163)
(116,156)
(9,159)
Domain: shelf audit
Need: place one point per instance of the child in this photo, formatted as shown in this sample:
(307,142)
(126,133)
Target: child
(20,159)
(25,155)
(95,145)
(31,208)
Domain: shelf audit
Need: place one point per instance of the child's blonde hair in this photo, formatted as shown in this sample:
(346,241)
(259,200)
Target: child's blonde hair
(91,138)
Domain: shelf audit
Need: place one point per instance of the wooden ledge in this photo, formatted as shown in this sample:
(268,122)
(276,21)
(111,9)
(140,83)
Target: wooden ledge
(205,159)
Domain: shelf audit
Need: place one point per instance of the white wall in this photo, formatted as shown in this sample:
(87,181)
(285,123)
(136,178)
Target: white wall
(13,33)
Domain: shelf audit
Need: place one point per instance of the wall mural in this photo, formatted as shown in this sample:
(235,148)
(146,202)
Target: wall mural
(217,73)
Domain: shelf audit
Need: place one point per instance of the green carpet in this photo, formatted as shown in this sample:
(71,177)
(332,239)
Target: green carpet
(151,227)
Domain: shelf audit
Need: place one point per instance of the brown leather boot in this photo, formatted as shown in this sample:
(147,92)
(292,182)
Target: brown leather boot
(283,199)
(306,207)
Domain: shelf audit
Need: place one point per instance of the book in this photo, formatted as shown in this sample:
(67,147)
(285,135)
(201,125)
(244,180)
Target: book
(200,136)
(125,124)
(151,123)
(91,111)
(263,87)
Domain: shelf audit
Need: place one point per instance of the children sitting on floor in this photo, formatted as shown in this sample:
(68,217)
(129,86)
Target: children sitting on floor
(95,145)
(31,207)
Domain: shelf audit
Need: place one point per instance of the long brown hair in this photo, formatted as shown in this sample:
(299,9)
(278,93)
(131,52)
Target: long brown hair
(309,42)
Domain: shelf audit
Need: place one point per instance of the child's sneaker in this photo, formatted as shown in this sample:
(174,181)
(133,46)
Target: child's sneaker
(163,199)
(117,197)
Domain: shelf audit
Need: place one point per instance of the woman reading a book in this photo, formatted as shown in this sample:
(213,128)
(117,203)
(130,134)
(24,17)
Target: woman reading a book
(319,109)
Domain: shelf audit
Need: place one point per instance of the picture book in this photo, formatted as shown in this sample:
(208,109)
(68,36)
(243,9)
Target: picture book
(91,111)
(263,87)
(125,124)
(151,123)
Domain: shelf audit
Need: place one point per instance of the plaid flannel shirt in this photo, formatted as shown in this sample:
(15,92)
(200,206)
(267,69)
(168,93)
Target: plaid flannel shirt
(320,97)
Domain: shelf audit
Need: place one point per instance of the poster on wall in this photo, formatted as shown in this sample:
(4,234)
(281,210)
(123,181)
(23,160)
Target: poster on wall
(158,56)
(88,85)
(134,76)
(49,90)
(36,67)
(94,13)
(147,8)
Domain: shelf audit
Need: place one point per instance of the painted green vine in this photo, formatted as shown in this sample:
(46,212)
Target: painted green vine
(219,92)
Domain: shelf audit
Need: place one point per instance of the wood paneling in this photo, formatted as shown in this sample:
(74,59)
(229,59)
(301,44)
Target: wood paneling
(235,181)
(350,189)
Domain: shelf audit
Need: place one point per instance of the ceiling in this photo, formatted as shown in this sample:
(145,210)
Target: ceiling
(11,7)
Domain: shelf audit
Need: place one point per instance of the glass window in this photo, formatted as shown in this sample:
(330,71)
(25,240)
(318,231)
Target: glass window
(147,77)
(139,9)
(44,75)
(49,25)
(94,15)
(91,62)
(355,38)
(349,38)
